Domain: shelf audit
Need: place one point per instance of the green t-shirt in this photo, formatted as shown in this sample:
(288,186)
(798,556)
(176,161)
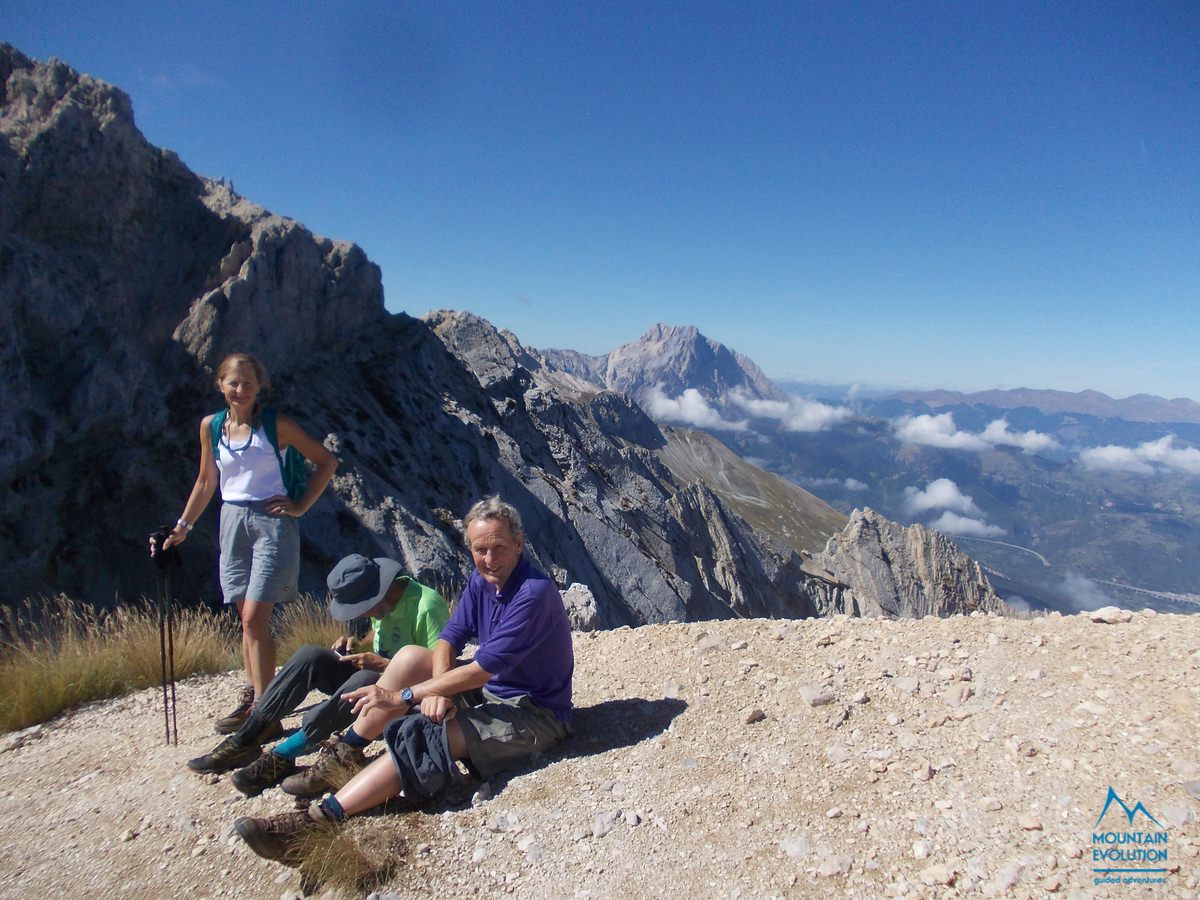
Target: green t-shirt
(418,618)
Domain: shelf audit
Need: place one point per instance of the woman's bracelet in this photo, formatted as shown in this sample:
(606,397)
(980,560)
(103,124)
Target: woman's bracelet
(184,524)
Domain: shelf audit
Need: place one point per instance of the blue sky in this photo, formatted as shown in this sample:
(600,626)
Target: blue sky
(962,195)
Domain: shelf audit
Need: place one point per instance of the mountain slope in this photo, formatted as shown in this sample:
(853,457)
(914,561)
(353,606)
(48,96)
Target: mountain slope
(111,358)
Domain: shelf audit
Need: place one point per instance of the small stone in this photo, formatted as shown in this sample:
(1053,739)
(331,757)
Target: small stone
(991,804)
(755,715)
(924,773)
(834,813)
(921,849)
(127,835)
(907,683)
(1029,823)
(860,698)
(1110,615)
(937,874)
(834,864)
(814,695)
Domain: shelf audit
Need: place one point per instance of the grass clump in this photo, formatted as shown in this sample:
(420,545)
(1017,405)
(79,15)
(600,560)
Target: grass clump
(304,620)
(57,654)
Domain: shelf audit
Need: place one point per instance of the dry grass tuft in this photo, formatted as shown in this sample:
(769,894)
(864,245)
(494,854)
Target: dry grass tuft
(334,862)
(304,620)
(57,654)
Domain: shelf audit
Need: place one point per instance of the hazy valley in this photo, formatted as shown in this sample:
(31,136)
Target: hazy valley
(1072,501)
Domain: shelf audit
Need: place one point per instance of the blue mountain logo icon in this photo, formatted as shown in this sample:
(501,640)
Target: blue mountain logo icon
(1129,812)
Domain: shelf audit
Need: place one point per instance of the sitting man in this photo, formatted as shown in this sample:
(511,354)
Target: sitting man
(405,616)
(524,664)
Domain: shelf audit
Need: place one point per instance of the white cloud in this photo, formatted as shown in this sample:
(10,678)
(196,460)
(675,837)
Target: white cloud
(794,414)
(940,431)
(1082,593)
(690,408)
(953,523)
(1030,441)
(936,431)
(1147,458)
(960,515)
(1114,459)
(853,484)
(1018,603)
(940,494)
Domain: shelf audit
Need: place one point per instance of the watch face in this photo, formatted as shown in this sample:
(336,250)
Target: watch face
(407,695)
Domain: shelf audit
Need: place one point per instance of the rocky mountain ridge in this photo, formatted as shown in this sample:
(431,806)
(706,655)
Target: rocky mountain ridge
(1137,408)
(127,277)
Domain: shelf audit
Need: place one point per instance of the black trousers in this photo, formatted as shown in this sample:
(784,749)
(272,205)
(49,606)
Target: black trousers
(314,668)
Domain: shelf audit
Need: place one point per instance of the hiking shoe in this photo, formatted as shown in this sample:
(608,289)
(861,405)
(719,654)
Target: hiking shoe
(232,753)
(232,722)
(225,756)
(280,837)
(336,764)
(266,771)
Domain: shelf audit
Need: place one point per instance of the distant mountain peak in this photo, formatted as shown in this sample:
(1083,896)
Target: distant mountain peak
(670,359)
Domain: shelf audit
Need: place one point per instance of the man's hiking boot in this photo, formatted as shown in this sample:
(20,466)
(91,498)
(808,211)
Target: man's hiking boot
(231,753)
(266,771)
(282,837)
(336,764)
(232,722)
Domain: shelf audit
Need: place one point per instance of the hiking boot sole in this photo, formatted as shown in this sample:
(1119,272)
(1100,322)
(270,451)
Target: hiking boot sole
(262,843)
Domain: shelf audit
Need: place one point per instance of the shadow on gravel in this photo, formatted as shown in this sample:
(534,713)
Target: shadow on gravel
(599,728)
(370,860)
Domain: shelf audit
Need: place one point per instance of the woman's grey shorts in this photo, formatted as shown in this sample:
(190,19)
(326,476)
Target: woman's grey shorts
(499,733)
(260,554)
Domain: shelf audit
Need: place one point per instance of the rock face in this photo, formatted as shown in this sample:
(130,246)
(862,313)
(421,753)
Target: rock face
(894,571)
(126,278)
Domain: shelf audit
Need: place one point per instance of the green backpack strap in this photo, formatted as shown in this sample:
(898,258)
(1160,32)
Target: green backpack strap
(267,418)
(215,427)
(291,464)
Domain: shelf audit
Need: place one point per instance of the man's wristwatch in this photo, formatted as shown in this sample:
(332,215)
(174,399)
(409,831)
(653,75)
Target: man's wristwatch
(407,696)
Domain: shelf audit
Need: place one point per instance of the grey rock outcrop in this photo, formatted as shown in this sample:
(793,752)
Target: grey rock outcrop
(886,569)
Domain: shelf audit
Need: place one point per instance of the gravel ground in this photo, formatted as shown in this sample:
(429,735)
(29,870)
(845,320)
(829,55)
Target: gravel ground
(871,758)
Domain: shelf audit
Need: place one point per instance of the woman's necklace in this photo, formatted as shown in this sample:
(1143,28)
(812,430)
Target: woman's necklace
(225,438)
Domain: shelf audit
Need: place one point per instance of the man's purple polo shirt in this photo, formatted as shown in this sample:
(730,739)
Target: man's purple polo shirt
(524,636)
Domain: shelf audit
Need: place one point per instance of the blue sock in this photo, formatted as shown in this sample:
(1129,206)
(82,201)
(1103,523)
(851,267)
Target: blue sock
(352,738)
(332,809)
(296,745)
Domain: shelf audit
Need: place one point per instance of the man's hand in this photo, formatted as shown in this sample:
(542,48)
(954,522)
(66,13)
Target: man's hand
(371,661)
(343,645)
(438,709)
(372,697)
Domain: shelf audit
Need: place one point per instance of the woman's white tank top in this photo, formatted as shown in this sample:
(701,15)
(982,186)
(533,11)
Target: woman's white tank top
(249,471)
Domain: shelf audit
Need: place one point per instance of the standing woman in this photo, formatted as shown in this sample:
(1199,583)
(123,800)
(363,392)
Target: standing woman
(260,537)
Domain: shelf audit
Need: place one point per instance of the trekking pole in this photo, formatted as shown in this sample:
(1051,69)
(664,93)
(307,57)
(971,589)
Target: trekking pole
(164,561)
